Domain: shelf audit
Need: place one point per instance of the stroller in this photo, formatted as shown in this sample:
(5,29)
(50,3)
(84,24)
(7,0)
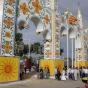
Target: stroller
(85,80)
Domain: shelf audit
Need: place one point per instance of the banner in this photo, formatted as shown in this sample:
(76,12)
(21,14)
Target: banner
(9,69)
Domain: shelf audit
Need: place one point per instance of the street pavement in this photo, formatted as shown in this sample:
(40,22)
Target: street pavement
(45,83)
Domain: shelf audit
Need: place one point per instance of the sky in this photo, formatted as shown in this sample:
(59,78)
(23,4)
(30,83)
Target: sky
(31,36)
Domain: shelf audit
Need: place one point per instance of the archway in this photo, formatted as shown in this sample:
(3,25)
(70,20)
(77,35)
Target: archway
(27,10)
(39,15)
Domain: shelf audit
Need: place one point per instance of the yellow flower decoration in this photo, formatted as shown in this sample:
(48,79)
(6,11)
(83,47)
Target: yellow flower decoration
(46,19)
(24,8)
(8,34)
(37,6)
(8,69)
(7,48)
(8,22)
(10,2)
(72,20)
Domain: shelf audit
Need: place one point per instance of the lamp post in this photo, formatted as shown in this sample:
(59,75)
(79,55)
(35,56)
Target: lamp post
(29,48)
(72,52)
(67,46)
(67,14)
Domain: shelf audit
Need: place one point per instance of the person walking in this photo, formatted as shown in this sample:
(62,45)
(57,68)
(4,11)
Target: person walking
(46,72)
(75,74)
(41,74)
(72,73)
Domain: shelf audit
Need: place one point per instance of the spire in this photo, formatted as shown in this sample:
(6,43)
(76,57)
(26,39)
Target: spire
(79,16)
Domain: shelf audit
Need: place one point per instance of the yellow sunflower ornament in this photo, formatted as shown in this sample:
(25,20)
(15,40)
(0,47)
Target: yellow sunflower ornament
(9,69)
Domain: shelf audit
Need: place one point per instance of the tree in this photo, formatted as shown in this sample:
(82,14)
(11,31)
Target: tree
(26,49)
(18,44)
(36,48)
(18,37)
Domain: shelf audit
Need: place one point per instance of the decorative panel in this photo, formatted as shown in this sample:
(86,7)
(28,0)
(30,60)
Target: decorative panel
(8,28)
(9,69)
(1,14)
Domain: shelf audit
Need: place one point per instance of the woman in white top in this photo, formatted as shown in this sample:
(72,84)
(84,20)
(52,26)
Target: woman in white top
(75,74)
(63,76)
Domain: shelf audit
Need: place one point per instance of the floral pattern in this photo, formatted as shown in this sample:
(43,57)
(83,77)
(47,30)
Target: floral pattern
(7,48)
(24,8)
(10,11)
(46,19)
(72,20)
(8,28)
(37,6)
(8,34)
(8,22)
(10,2)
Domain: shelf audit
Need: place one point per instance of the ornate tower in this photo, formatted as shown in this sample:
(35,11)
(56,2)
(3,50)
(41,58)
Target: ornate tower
(52,47)
(81,47)
(79,17)
(55,30)
(78,39)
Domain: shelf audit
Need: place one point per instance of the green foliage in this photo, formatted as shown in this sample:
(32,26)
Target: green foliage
(35,48)
(18,44)
(26,49)
(18,37)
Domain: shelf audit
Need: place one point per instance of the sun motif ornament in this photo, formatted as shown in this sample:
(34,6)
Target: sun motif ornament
(8,69)
(7,48)
(24,8)
(37,6)
(8,22)
(46,19)
(10,2)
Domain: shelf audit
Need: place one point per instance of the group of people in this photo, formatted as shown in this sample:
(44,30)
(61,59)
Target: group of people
(44,73)
(76,73)
(24,67)
(71,73)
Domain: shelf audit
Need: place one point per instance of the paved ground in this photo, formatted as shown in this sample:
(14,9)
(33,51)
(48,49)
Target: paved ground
(36,83)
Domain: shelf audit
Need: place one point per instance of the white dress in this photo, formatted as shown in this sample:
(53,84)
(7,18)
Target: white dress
(63,77)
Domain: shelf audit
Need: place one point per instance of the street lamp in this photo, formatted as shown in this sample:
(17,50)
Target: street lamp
(67,14)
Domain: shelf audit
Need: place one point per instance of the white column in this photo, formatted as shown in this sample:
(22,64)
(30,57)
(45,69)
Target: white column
(53,28)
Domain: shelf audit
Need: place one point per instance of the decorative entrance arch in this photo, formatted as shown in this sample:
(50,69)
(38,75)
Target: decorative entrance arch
(38,8)
(45,11)
(15,11)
